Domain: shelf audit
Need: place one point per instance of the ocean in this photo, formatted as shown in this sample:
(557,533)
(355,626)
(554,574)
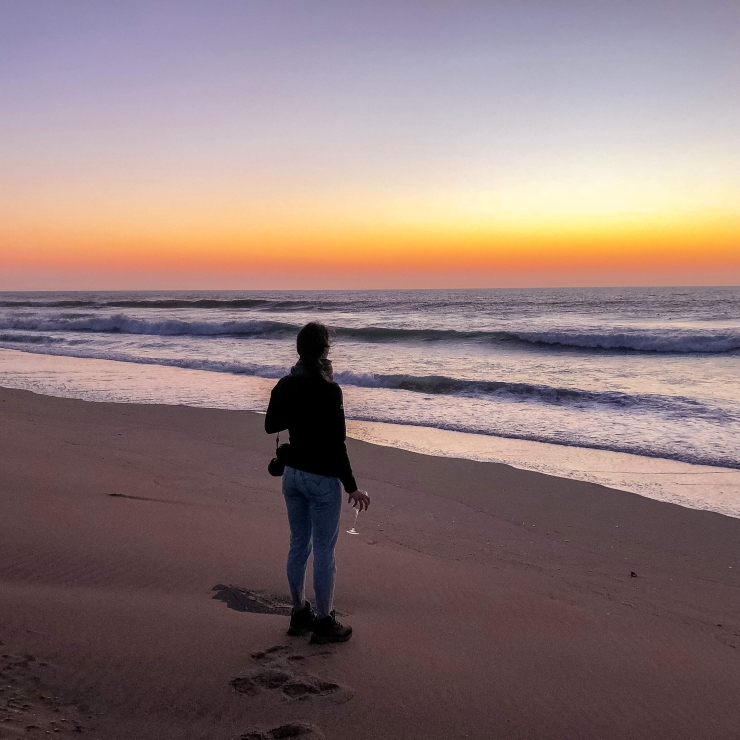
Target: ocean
(634,388)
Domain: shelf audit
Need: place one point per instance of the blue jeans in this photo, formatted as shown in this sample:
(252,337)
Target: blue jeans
(314,503)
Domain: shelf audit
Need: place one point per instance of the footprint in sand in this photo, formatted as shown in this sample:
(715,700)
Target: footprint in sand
(244,600)
(281,668)
(257,602)
(26,707)
(294,729)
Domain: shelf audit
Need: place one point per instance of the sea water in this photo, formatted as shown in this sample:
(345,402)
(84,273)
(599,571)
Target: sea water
(635,388)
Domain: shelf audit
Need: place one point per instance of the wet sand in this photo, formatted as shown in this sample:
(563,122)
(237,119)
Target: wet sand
(142,593)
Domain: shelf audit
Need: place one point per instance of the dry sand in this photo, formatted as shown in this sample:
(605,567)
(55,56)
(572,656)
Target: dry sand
(487,602)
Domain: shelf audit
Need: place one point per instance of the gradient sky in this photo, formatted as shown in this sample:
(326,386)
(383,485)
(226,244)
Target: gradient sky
(345,144)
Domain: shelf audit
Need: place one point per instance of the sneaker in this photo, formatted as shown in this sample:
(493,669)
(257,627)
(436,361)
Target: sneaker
(328,629)
(301,621)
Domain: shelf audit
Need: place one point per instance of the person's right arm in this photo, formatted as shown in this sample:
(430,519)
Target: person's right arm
(276,418)
(359,499)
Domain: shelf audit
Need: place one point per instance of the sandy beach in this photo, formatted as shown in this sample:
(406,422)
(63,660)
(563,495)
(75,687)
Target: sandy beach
(143,594)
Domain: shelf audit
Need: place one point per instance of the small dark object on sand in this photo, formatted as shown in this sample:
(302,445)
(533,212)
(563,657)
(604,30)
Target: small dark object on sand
(633,574)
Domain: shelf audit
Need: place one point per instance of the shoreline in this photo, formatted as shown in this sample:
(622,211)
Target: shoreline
(659,479)
(700,487)
(487,601)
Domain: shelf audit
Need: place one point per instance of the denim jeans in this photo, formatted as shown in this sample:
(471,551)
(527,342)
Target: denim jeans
(314,503)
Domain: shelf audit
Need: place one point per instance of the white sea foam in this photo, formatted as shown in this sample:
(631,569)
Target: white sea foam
(502,391)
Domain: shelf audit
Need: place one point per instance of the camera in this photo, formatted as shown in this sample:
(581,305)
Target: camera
(276,467)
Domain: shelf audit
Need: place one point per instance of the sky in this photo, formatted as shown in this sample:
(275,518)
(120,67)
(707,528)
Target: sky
(301,144)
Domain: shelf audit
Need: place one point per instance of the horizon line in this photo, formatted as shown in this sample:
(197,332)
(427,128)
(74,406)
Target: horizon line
(366,290)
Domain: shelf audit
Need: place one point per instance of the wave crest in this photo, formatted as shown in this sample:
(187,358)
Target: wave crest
(122,324)
(617,339)
(639,340)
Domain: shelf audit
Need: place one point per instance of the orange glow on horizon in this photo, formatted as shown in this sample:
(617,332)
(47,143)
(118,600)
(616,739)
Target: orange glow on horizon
(527,232)
(707,242)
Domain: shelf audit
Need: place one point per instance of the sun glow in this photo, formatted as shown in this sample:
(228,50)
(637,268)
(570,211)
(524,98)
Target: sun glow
(541,225)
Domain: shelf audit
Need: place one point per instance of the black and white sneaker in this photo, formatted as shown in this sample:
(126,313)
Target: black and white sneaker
(328,629)
(301,621)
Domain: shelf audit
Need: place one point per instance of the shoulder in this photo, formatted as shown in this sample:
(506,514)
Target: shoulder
(334,391)
(284,384)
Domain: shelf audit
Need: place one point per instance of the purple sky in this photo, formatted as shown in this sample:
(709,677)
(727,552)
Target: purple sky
(381,100)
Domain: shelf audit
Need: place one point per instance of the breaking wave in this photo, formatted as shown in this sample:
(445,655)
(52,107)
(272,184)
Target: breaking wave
(640,340)
(529,392)
(122,324)
(620,338)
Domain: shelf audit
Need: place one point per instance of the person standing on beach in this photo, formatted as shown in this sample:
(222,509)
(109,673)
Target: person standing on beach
(309,404)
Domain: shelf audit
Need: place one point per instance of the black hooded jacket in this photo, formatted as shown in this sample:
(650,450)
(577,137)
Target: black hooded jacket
(311,408)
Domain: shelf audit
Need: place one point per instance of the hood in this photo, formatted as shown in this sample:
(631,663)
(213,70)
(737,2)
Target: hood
(321,368)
